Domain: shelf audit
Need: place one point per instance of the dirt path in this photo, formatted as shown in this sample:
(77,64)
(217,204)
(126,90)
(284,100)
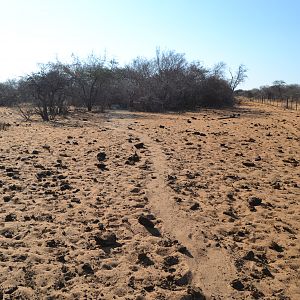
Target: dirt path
(212,269)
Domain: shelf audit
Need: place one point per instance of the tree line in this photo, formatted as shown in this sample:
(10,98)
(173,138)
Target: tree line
(279,90)
(162,83)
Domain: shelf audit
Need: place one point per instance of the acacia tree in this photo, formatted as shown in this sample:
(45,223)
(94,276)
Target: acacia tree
(279,86)
(90,78)
(238,77)
(48,89)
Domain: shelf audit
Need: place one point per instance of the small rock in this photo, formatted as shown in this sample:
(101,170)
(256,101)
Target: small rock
(7,198)
(195,206)
(255,201)
(52,244)
(171,261)
(135,190)
(237,285)
(249,256)
(139,146)
(185,279)
(250,140)
(8,234)
(249,164)
(276,247)
(65,186)
(132,159)
(87,269)
(267,272)
(107,240)
(199,133)
(10,218)
(101,156)
(102,167)
(145,222)
(149,288)
(144,260)
(47,147)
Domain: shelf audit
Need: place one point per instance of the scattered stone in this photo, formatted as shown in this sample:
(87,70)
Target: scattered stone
(199,133)
(276,185)
(65,186)
(61,177)
(107,240)
(171,261)
(195,206)
(11,290)
(46,147)
(139,146)
(144,260)
(132,159)
(250,140)
(237,285)
(149,288)
(172,178)
(230,196)
(101,156)
(276,247)
(145,222)
(250,255)
(135,190)
(254,201)
(52,244)
(8,234)
(185,279)
(76,200)
(87,269)
(102,167)
(7,198)
(185,251)
(10,218)
(248,164)
(44,174)
(266,272)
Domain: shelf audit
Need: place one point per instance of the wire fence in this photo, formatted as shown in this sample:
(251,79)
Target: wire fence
(288,103)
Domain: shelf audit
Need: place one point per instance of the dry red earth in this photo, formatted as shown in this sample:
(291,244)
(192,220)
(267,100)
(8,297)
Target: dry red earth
(151,206)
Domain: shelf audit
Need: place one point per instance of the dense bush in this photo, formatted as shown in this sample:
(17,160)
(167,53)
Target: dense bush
(165,82)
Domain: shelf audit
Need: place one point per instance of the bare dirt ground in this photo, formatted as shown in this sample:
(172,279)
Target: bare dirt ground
(149,206)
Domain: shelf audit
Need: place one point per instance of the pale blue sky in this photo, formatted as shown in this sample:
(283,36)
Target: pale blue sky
(262,34)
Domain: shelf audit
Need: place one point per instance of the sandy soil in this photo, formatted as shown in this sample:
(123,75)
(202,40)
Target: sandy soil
(148,206)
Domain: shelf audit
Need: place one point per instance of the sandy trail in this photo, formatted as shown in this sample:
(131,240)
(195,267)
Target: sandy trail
(212,269)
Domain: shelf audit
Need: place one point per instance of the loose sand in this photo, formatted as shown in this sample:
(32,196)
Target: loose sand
(151,206)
